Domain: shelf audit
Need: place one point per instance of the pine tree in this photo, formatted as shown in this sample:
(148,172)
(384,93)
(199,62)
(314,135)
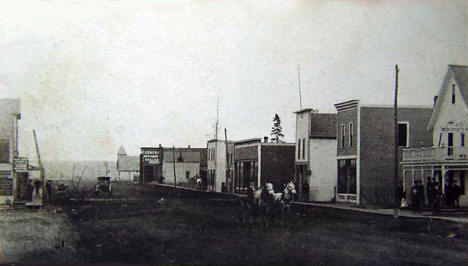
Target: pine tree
(277,129)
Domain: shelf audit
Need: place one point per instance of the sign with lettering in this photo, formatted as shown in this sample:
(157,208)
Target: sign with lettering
(21,164)
(6,186)
(454,127)
(151,155)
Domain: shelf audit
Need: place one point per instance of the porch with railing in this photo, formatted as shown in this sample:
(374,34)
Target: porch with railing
(436,154)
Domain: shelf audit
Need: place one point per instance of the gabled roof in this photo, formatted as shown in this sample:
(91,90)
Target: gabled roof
(460,75)
(185,155)
(323,126)
(129,163)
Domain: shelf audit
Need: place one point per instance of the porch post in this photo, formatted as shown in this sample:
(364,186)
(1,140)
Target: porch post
(404,179)
(432,174)
(443,179)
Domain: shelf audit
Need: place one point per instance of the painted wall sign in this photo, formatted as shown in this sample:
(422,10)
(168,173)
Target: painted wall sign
(458,127)
(151,156)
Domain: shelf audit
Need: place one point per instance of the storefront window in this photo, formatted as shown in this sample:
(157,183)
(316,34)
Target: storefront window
(347,176)
(4,151)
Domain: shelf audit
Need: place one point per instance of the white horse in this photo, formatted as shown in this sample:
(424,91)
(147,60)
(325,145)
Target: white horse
(288,195)
(273,204)
(264,202)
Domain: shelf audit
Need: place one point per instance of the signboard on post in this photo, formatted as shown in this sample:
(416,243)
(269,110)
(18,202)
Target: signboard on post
(20,165)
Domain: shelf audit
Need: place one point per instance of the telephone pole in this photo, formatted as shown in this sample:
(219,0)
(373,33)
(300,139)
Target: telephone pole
(228,170)
(395,165)
(41,167)
(173,163)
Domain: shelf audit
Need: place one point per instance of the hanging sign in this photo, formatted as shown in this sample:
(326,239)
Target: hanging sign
(20,164)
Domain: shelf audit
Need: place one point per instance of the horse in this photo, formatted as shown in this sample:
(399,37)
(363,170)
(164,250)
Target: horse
(267,204)
(276,205)
(288,195)
(198,184)
(249,207)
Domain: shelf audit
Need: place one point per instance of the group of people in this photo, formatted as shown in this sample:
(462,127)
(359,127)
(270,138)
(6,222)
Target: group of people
(34,188)
(433,192)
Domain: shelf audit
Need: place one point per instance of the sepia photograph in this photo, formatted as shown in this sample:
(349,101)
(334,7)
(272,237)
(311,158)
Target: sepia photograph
(233,132)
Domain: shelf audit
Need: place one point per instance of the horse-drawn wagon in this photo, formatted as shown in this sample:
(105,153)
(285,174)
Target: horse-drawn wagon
(266,204)
(104,185)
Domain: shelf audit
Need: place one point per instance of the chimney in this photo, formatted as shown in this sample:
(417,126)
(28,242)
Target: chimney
(435,99)
(265,139)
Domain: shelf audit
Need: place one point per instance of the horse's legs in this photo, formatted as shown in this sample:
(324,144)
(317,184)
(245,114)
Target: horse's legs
(242,212)
(265,214)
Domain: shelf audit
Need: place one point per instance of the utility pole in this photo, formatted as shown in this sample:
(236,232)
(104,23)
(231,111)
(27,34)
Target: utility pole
(228,170)
(173,161)
(42,170)
(395,165)
(216,147)
(300,91)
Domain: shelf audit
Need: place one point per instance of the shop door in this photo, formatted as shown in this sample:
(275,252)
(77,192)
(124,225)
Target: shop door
(450,144)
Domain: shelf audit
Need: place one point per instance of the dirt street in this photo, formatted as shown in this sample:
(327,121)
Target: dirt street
(35,236)
(132,227)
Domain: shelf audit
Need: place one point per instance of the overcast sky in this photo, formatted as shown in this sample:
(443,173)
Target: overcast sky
(94,75)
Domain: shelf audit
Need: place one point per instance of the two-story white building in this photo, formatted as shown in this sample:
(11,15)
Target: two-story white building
(220,165)
(10,113)
(447,160)
(315,154)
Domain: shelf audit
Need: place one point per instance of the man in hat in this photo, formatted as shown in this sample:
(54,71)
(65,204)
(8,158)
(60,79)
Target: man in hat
(430,192)
(415,195)
(456,192)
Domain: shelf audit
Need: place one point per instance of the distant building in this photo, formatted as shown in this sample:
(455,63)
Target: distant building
(10,180)
(446,160)
(151,160)
(218,177)
(187,164)
(158,162)
(128,167)
(316,154)
(261,162)
(365,149)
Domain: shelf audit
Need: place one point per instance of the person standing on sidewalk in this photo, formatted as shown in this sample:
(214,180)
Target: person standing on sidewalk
(414,196)
(305,191)
(456,192)
(437,196)
(430,192)
(29,190)
(37,186)
(49,191)
(448,193)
